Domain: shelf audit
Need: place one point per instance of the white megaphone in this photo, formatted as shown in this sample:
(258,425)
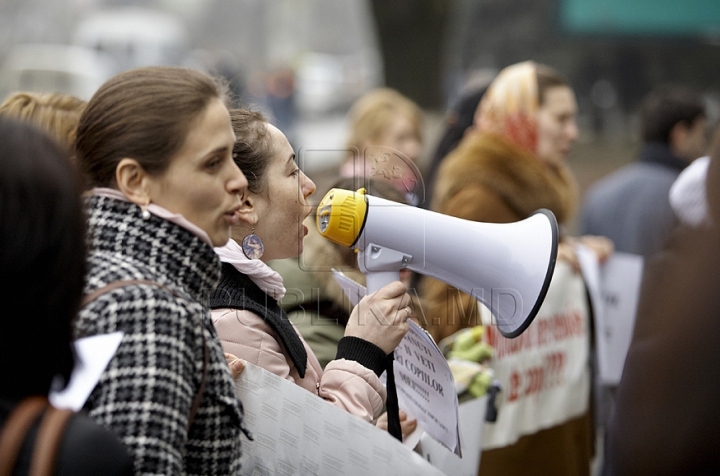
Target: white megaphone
(507,267)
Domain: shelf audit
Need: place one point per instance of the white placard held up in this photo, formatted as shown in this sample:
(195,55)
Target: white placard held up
(93,355)
(423,379)
(614,288)
(426,388)
(544,372)
(471,416)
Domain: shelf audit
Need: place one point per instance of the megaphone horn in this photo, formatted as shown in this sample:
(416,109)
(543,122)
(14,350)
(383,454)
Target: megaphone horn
(506,266)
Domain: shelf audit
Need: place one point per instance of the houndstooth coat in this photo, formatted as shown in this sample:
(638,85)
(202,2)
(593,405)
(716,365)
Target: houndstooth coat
(146,392)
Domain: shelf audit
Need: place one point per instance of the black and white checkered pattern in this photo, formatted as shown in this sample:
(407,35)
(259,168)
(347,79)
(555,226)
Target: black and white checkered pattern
(146,393)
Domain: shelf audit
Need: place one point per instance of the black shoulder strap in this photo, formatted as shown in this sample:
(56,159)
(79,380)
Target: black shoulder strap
(206,358)
(238,291)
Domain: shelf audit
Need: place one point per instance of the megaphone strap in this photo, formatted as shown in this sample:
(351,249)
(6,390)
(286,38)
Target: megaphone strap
(393,410)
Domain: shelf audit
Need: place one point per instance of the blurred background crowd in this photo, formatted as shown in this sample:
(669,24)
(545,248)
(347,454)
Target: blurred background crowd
(337,76)
(305,62)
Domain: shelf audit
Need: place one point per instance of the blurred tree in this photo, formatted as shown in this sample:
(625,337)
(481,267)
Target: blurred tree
(411,38)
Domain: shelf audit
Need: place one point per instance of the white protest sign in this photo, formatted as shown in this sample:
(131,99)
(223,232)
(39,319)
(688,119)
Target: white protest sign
(425,387)
(544,372)
(296,432)
(93,354)
(471,415)
(614,288)
(423,379)
(353,290)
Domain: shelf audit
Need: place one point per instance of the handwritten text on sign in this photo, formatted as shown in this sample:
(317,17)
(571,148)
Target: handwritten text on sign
(421,367)
(544,372)
(425,386)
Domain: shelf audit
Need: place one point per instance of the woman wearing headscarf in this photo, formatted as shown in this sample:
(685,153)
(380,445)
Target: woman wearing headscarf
(509,166)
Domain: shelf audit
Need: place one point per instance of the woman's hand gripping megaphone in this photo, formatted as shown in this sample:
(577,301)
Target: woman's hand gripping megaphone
(381,317)
(506,266)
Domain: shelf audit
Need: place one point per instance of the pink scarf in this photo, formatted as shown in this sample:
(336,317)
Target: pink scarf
(260,273)
(158,211)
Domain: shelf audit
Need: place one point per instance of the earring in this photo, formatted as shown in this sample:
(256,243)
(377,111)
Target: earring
(145,213)
(252,245)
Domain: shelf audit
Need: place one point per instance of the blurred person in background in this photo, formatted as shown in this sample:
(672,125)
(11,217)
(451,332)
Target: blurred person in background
(248,319)
(666,419)
(56,113)
(385,141)
(156,145)
(631,206)
(511,164)
(42,261)
(688,194)
(459,120)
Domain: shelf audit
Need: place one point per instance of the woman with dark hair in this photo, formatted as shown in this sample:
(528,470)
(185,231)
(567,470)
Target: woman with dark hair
(155,144)
(42,262)
(245,309)
(318,306)
(459,120)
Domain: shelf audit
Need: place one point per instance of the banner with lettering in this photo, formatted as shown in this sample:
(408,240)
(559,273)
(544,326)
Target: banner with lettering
(296,432)
(544,372)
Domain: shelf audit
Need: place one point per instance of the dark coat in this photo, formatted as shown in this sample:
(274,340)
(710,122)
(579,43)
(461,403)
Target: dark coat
(667,418)
(631,206)
(86,449)
(146,393)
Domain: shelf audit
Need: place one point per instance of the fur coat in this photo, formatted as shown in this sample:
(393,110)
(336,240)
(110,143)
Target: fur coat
(491,180)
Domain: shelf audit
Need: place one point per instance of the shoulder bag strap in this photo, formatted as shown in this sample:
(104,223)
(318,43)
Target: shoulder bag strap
(88,298)
(206,358)
(48,441)
(14,430)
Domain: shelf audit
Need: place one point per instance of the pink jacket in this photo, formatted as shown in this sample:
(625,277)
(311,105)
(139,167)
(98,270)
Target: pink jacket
(345,383)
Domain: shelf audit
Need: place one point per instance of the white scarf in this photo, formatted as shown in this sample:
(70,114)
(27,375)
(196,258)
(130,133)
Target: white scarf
(260,273)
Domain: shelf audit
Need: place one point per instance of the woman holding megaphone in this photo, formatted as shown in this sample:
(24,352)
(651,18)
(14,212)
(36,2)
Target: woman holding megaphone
(509,165)
(248,319)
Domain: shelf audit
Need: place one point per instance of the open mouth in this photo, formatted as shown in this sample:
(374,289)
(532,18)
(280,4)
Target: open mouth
(233,217)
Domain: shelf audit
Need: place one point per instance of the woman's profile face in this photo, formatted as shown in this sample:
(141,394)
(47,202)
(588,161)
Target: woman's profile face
(284,205)
(202,182)
(557,129)
(400,135)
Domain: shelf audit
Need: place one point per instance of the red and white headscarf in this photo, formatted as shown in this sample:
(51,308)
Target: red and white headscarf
(509,107)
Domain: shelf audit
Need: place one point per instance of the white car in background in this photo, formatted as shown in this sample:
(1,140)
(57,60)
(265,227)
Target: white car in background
(134,36)
(50,67)
(332,82)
